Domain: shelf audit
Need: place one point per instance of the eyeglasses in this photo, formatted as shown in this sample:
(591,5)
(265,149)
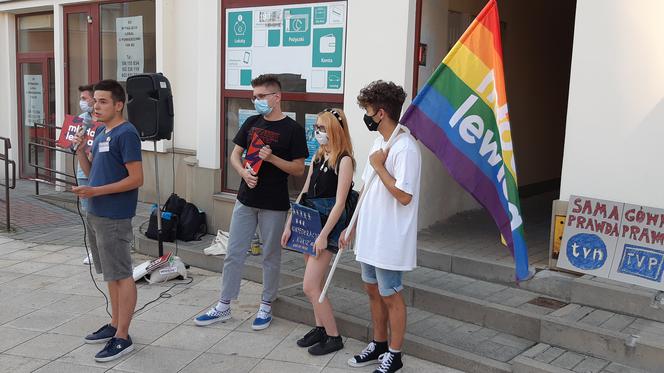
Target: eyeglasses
(320,128)
(261,96)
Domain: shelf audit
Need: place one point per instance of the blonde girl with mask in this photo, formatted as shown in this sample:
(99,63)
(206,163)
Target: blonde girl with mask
(329,180)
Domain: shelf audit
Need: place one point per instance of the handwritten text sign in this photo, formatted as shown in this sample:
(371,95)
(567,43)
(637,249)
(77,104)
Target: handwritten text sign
(590,236)
(305,228)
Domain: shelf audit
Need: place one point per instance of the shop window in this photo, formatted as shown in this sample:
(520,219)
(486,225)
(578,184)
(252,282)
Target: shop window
(35,33)
(303,42)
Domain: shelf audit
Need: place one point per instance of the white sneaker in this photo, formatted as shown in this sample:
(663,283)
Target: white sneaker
(219,245)
(88,260)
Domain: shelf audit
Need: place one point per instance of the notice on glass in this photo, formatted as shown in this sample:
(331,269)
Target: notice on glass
(129,31)
(33,99)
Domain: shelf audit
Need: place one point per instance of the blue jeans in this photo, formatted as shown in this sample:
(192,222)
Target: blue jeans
(389,282)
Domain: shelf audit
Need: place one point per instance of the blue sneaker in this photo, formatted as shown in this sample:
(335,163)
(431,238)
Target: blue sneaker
(103,335)
(212,316)
(115,348)
(263,319)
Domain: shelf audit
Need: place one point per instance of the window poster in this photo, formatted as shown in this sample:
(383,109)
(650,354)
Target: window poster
(33,99)
(306,40)
(129,32)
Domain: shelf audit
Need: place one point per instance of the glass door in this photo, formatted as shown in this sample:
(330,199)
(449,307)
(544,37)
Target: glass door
(37,101)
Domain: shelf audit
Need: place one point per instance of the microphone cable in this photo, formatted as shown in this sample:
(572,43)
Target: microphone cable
(164,294)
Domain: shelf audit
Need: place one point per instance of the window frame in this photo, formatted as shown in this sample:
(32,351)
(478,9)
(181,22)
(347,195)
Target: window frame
(234,93)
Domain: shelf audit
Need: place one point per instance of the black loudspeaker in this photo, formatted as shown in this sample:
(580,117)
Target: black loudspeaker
(150,105)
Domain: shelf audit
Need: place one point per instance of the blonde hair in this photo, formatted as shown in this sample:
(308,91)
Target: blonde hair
(338,137)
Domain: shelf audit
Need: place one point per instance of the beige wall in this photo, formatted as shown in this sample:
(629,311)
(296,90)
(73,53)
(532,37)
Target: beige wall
(615,121)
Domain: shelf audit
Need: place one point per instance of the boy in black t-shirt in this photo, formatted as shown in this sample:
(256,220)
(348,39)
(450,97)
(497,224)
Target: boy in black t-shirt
(262,199)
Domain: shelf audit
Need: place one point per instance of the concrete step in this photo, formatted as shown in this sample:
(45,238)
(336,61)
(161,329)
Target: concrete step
(587,290)
(544,358)
(429,336)
(526,314)
(518,312)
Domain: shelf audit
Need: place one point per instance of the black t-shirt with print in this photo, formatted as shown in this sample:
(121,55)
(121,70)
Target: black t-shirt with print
(288,142)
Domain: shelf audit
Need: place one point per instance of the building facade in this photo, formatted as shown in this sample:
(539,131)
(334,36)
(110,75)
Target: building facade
(582,83)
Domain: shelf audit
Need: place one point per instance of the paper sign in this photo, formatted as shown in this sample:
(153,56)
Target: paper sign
(70,128)
(33,99)
(129,31)
(305,228)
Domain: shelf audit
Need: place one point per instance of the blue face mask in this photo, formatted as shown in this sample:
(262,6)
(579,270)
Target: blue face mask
(262,107)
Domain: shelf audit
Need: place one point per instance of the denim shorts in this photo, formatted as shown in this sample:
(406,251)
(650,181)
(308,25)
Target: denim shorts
(389,282)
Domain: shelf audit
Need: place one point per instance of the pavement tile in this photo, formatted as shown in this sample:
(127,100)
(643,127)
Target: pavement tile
(58,367)
(219,363)
(12,337)
(269,366)
(33,282)
(169,313)
(82,325)
(84,356)
(38,299)
(47,346)
(77,304)
(19,364)
(255,344)
(279,327)
(63,270)
(9,312)
(156,359)
(42,320)
(193,338)
(27,267)
(6,263)
(288,350)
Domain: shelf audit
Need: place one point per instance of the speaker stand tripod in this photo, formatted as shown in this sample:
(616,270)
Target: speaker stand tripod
(160,241)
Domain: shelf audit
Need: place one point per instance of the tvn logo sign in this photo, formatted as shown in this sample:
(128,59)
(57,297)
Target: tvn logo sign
(642,262)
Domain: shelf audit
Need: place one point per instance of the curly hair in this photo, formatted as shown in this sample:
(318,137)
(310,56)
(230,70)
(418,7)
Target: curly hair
(383,95)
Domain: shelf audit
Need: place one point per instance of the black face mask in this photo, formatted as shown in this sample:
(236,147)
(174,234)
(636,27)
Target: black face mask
(372,125)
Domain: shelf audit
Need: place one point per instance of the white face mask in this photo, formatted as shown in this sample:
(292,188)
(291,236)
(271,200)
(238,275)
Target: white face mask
(321,137)
(84,106)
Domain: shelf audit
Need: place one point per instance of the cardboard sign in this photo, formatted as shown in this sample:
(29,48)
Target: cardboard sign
(305,228)
(252,160)
(590,236)
(619,241)
(70,128)
(640,250)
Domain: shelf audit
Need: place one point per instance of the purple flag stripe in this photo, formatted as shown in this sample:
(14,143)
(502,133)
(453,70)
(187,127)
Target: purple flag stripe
(463,169)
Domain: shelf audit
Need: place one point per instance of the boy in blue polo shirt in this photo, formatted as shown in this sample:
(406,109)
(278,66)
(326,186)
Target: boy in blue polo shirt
(115,173)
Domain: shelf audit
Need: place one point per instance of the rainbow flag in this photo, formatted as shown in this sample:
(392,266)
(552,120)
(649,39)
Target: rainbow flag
(461,115)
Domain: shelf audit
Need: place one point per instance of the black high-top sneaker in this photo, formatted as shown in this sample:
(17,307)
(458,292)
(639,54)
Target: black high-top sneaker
(389,362)
(369,355)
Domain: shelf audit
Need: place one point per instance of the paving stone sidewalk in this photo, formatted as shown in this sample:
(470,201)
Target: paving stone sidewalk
(48,303)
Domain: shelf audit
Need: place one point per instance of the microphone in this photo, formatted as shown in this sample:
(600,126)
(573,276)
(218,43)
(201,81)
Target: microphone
(86,126)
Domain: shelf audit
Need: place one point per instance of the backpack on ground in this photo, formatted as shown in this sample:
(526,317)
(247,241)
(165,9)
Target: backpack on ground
(192,224)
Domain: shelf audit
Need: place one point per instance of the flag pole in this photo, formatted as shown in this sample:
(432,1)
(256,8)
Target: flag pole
(353,219)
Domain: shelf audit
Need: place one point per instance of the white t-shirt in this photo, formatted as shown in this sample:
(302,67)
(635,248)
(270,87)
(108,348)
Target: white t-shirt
(386,234)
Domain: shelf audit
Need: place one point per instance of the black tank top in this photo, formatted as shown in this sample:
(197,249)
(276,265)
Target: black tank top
(324,179)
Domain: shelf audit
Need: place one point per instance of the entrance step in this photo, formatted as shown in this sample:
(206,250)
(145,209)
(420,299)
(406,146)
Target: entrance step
(544,358)
(429,336)
(526,314)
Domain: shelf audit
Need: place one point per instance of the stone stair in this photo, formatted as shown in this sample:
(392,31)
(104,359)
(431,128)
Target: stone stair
(468,323)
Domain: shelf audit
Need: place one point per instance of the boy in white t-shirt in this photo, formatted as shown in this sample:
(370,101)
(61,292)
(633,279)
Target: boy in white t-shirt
(386,229)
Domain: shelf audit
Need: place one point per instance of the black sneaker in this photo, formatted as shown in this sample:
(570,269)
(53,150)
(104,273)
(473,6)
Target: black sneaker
(389,362)
(314,336)
(369,355)
(115,348)
(103,335)
(327,345)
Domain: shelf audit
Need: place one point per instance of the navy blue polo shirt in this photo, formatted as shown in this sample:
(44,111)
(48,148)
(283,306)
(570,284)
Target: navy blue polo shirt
(108,166)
